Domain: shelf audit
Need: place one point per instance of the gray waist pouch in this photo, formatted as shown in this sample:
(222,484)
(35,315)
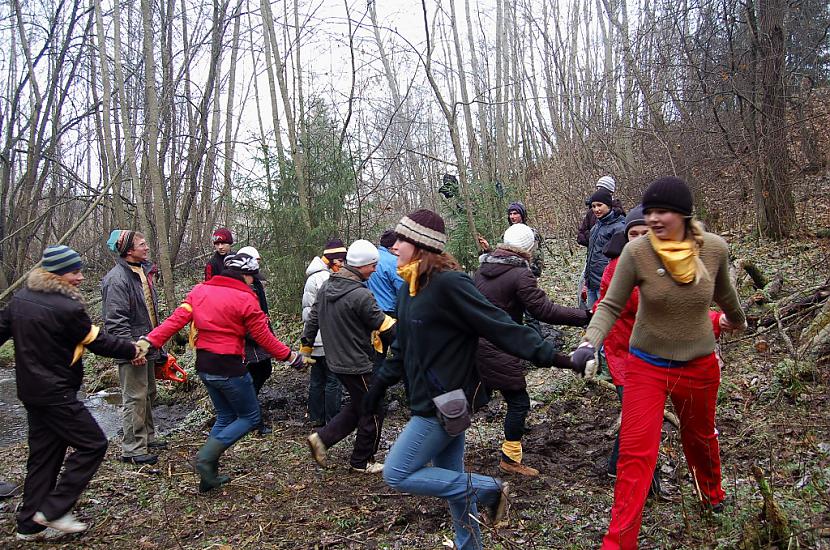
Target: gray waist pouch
(453,412)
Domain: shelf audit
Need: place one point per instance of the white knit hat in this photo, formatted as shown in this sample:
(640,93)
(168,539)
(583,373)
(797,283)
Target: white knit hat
(607,182)
(520,236)
(361,252)
(250,251)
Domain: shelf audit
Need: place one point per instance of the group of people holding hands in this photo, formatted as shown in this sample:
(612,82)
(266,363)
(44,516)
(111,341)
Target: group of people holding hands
(404,311)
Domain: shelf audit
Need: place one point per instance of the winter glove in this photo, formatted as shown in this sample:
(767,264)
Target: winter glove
(306,350)
(583,360)
(142,347)
(298,361)
(373,400)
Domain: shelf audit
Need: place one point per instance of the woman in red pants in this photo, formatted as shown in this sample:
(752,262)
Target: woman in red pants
(680,270)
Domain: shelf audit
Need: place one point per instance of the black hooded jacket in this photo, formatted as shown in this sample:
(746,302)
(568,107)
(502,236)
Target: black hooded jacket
(49,325)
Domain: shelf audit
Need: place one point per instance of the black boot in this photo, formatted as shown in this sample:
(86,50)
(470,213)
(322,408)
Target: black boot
(207,464)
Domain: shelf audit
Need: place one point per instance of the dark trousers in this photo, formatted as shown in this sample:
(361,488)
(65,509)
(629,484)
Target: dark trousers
(518,405)
(53,429)
(350,417)
(260,372)
(324,392)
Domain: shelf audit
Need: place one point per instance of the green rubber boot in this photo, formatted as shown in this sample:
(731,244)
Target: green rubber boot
(207,464)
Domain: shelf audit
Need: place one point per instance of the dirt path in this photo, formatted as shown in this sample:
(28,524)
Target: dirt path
(280,499)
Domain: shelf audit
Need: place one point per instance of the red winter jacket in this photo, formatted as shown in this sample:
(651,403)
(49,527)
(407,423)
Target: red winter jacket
(616,343)
(222,310)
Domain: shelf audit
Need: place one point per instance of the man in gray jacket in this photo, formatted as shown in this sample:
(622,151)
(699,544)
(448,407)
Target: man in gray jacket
(130,310)
(347,315)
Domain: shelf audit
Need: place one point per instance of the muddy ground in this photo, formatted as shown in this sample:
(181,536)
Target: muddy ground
(772,413)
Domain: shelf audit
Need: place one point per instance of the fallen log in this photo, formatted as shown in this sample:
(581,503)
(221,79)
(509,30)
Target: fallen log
(768,293)
(759,280)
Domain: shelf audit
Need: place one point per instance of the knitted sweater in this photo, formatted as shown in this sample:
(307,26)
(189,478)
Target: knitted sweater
(673,318)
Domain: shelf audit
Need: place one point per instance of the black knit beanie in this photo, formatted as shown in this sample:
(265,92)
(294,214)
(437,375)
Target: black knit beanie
(670,193)
(387,240)
(602,195)
(423,228)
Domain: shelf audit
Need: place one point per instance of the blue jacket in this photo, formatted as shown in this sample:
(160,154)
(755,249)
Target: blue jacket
(601,233)
(385,281)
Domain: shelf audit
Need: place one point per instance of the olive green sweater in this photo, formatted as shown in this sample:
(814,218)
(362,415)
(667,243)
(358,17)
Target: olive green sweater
(673,318)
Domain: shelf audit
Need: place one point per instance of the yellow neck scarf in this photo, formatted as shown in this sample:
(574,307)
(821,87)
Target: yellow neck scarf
(409,273)
(679,257)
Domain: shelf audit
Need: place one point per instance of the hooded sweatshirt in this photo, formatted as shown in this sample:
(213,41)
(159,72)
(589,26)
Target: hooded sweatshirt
(345,313)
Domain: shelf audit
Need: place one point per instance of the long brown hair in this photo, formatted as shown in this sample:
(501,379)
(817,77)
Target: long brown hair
(432,262)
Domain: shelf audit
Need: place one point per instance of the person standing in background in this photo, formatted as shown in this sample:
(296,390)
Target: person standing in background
(222,241)
(324,389)
(130,310)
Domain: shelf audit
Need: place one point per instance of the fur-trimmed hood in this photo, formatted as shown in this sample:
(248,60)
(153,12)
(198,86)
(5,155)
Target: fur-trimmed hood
(503,259)
(41,280)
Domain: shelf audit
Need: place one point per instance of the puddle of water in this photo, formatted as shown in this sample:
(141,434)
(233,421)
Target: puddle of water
(105,408)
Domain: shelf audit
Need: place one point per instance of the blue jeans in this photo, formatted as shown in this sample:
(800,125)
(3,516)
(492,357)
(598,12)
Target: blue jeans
(424,440)
(235,403)
(324,392)
(593,296)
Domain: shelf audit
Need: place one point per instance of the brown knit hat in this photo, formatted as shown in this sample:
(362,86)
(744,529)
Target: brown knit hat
(423,228)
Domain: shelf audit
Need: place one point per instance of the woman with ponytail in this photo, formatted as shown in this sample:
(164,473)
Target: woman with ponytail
(680,270)
(441,316)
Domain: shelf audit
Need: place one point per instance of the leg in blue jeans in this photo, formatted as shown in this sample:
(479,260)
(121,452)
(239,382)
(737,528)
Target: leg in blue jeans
(235,402)
(593,296)
(423,440)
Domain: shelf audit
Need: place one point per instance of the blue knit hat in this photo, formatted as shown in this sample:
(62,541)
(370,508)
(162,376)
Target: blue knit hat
(60,260)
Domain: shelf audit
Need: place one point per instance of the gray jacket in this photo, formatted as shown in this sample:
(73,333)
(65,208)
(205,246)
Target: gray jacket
(124,308)
(345,313)
(601,233)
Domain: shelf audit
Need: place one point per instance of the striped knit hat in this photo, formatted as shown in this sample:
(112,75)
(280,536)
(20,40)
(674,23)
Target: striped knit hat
(60,260)
(121,241)
(423,228)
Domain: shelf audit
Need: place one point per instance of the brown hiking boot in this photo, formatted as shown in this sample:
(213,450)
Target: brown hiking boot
(517,468)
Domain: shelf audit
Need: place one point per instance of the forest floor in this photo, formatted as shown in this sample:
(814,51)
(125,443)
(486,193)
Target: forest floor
(772,413)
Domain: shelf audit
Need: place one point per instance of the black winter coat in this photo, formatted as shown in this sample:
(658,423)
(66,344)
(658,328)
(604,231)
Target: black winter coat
(437,339)
(345,313)
(254,353)
(601,233)
(506,280)
(49,325)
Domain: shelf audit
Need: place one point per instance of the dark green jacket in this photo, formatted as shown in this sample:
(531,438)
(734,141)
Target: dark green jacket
(437,340)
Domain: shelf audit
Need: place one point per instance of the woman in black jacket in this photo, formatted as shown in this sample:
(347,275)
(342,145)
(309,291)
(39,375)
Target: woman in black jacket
(506,280)
(441,316)
(51,328)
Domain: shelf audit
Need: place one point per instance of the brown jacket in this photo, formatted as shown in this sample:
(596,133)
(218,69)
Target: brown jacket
(506,280)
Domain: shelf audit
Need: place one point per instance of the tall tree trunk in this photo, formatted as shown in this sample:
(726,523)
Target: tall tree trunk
(773,198)
(153,169)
